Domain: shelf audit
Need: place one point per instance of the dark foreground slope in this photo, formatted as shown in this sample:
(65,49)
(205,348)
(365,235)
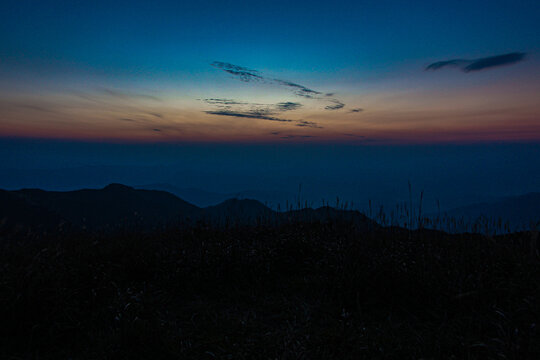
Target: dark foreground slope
(299,291)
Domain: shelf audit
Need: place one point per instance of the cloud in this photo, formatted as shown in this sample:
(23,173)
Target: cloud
(299,90)
(354,135)
(356,110)
(157,130)
(233,108)
(479,64)
(262,115)
(218,101)
(241,72)
(247,114)
(312,124)
(493,61)
(288,136)
(247,75)
(449,63)
(337,105)
(158,115)
(288,106)
(240,109)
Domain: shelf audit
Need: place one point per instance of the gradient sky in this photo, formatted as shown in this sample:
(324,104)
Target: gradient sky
(270,72)
(348,98)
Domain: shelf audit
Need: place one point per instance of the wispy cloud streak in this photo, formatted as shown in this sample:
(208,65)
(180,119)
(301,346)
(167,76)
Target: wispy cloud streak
(240,72)
(479,64)
(249,115)
(337,105)
(247,75)
(262,115)
(288,106)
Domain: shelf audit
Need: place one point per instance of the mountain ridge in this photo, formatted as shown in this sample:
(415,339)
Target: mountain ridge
(117,205)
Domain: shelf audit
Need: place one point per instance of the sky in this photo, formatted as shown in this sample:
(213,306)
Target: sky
(249,71)
(344,76)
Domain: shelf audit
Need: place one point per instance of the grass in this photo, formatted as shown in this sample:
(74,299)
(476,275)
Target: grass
(294,291)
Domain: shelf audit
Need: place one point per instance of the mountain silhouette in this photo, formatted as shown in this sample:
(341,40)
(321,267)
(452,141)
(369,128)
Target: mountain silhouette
(205,198)
(201,198)
(515,212)
(120,206)
(111,206)
(244,211)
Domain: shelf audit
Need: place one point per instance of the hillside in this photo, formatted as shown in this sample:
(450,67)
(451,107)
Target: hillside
(114,205)
(294,291)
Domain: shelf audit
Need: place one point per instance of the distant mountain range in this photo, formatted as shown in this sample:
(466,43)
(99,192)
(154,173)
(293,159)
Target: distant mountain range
(205,198)
(516,212)
(119,206)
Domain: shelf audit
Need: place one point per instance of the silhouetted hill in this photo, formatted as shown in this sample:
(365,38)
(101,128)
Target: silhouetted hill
(195,196)
(239,211)
(120,206)
(205,198)
(114,205)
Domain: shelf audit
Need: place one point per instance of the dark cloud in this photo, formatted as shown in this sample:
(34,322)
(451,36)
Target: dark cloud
(158,115)
(239,109)
(354,135)
(288,137)
(312,124)
(262,115)
(337,105)
(493,61)
(241,72)
(299,90)
(218,101)
(460,63)
(479,64)
(247,114)
(247,75)
(356,110)
(287,106)
(157,130)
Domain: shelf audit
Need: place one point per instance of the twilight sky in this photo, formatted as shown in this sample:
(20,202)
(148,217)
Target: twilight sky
(368,72)
(348,98)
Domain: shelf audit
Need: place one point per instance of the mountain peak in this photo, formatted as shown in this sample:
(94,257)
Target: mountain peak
(116,186)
